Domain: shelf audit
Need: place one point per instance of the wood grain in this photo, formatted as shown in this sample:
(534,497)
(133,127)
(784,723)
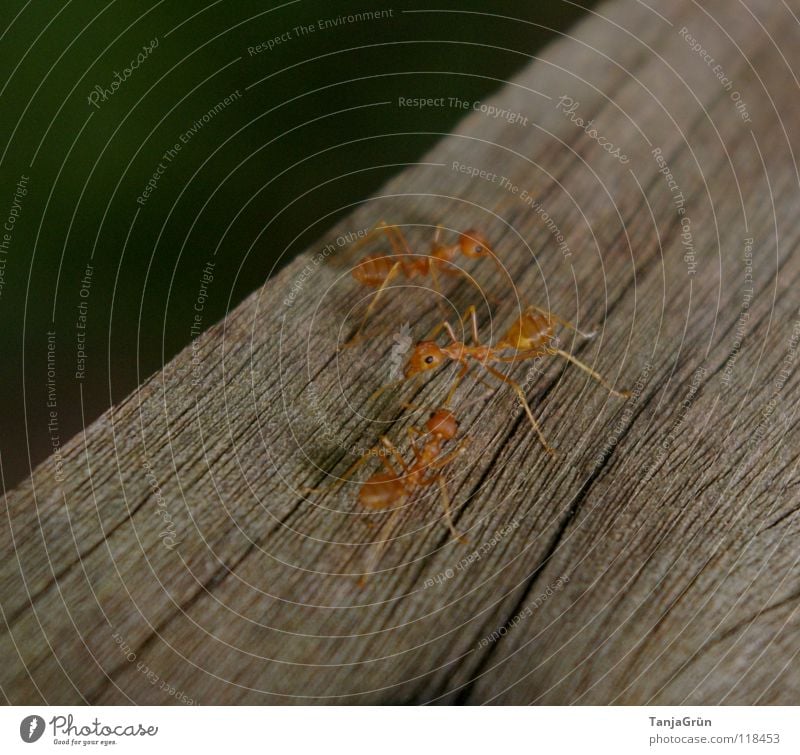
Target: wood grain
(653,561)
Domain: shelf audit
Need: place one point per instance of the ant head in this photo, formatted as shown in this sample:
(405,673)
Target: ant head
(473,244)
(427,355)
(442,423)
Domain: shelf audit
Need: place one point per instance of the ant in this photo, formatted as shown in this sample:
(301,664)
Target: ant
(530,336)
(400,480)
(378,270)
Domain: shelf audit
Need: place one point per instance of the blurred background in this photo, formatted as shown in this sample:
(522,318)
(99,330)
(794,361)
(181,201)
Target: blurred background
(256,136)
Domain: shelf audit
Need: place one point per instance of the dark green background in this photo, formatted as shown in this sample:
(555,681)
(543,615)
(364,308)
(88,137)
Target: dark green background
(82,192)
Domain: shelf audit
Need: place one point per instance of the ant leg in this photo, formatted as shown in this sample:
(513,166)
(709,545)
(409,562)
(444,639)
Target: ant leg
(469,313)
(443,325)
(415,408)
(565,323)
(521,356)
(396,238)
(386,281)
(392,449)
(461,373)
(500,376)
(596,375)
(413,434)
(437,287)
(380,545)
(447,515)
(398,241)
(387,386)
(438,464)
(474,318)
(443,461)
(491,388)
(383,535)
(500,267)
(348,473)
(419,408)
(381,227)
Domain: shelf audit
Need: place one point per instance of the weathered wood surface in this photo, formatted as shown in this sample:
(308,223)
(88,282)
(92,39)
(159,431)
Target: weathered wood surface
(663,536)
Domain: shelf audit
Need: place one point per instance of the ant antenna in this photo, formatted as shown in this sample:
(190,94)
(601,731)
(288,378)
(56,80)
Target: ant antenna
(387,386)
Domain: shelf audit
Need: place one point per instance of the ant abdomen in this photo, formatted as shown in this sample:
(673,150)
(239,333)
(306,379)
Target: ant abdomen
(372,270)
(378,272)
(537,328)
(380,491)
(533,330)
(442,423)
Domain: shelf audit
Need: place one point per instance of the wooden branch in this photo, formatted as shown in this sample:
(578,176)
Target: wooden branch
(652,561)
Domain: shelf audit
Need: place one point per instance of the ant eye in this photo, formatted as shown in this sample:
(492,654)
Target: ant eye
(478,249)
(429,360)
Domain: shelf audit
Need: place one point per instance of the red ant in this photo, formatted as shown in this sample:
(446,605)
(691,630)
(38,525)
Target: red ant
(400,480)
(378,270)
(529,337)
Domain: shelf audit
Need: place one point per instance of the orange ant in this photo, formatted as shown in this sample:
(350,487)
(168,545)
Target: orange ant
(529,337)
(400,480)
(378,270)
